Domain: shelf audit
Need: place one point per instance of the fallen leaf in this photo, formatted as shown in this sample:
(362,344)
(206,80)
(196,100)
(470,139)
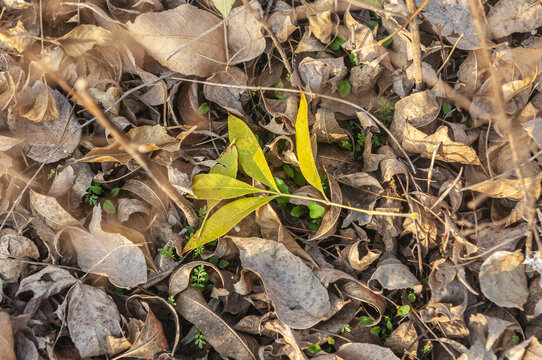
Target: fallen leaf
(331,217)
(16,36)
(180,279)
(507,188)
(360,260)
(107,254)
(147,192)
(323,24)
(511,16)
(92,318)
(291,338)
(300,300)
(43,284)
(245,37)
(7,343)
(198,31)
(19,247)
(327,129)
(222,337)
(452,18)
(503,279)
(224,6)
(37,103)
(391,274)
(49,210)
(83,38)
(352,351)
(227,97)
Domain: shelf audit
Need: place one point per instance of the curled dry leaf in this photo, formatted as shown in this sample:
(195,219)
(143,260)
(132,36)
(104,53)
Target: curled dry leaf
(16,246)
(245,37)
(7,343)
(503,279)
(227,97)
(508,188)
(361,191)
(452,18)
(180,279)
(42,139)
(43,284)
(107,254)
(291,338)
(147,192)
(149,138)
(360,260)
(198,31)
(510,16)
(37,103)
(327,129)
(299,298)
(92,318)
(83,38)
(49,210)
(391,274)
(222,337)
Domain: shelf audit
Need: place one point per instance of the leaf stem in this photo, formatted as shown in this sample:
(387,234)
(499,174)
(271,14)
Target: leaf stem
(413,215)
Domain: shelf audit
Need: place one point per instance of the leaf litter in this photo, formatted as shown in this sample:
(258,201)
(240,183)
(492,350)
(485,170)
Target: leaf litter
(350,180)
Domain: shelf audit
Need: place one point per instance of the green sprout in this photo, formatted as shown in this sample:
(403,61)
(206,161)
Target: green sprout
(171,301)
(199,278)
(167,253)
(51,174)
(199,339)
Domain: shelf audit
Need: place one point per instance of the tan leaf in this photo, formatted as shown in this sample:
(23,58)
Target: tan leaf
(38,103)
(7,343)
(222,337)
(323,24)
(92,318)
(352,351)
(107,254)
(503,279)
(226,97)
(391,274)
(326,127)
(7,142)
(510,16)
(49,210)
(245,37)
(19,247)
(508,188)
(83,38)
(300,300)
(161,33)
(15,37)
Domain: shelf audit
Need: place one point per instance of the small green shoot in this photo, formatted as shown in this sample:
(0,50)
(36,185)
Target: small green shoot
(171,301)
(375,330)
(222,264)
(199,339)
(345,327)
(51,174)
(446,108)
(385,110)
(282,200)
(427,348)
(344,88)
(109,207)
(198,251)
(330,340)
(189,232)
(115,192)
(278,94)
(289,77)
(167,253)
(515,339)
(316,211)
(365,320)
(199,278)
(314,349)
(93,192)
(387,42)
(337,42)
(352,58)
(203,109)
(470,123)
(202,211)
(346,145)
(411,297)
(4,283)
(535,323)
(298,211)
(372,24)
(403,310)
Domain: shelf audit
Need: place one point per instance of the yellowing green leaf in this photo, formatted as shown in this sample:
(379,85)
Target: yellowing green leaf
(220,187)
(251,156)
(224,219)
(228,166)
(224,6)
(304,148)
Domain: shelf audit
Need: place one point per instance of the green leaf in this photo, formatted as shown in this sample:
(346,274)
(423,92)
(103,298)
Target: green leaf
(387,42)
(227,166)
(446,108)
(289,170)
(224,6)
(109,207)
(314,348)
(304,147)
(297,211)
(365,320)
(344,88)
(411,297)
(283,200)
(251,156)
(203,109)
(220,187)
(375,330)
(403,310)
(352,58)
(224,219)
(515,339)
(115,191)
(337,42)
(316,210)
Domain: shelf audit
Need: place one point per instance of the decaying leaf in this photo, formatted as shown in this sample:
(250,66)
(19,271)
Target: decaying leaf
(510,16)
(83,38)
(391,274)
(198,31)
(222,337)
(49,210)
(227,97)
(245,36)
(92,317)
(300,300)
(108,254)
(503,280)
(19,247)
(327,129)
(7,343)
(370,352)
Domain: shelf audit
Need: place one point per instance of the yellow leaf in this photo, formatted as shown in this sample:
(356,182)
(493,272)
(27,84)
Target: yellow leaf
(304,148)
(220,187)
(251,156)
(224,219)
(229,159)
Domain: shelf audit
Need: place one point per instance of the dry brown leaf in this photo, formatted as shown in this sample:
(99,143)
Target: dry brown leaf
(320,74)
(83,38)
(37,103)
(326,127)
(391,274)
(8,142)
(7,343)
(299,298)
(41,139)
(107,254)
(245,37)
(15,36)
(403,339)
(323,25)
(508,188)
(361,191)
(360,260)
(227,97)
(161,33)
(510,16)
(49,210)
(19,247)
(43,284)
(150,341)
(147,192)
(362,43)
(127,207)
(149,138)
(222,337)
(92,318)
(452,18)
(353,351)
(291,338)
(446,150)
(503,279)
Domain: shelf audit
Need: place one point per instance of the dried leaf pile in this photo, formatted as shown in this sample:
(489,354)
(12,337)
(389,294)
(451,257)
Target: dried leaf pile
(346,179)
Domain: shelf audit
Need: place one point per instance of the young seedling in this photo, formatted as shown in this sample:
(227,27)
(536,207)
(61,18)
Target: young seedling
(200,278)
(221,183)
(93,192)
(199,339)
(51,174)
(167,253)
(171,301)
